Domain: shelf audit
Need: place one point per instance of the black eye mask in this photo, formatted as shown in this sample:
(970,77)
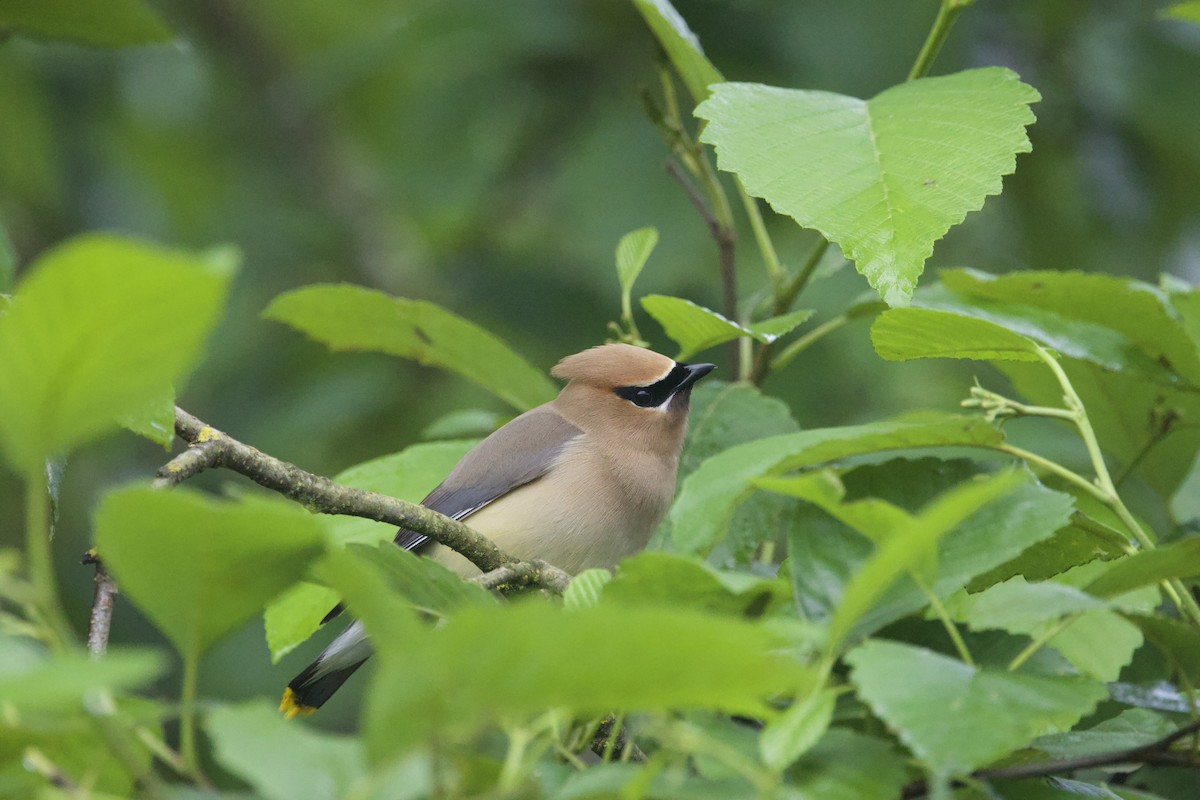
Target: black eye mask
(659,392)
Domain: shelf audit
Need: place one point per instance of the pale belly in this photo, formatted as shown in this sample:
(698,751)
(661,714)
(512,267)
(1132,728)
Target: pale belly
(598,527)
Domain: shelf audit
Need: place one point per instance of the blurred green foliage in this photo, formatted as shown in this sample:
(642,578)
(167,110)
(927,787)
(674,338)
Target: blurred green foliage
(488,158)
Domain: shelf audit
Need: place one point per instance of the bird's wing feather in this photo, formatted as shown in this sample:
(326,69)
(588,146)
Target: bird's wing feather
(518,453)
(512,456)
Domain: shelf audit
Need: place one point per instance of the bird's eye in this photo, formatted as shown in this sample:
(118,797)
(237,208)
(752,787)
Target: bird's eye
(643,398)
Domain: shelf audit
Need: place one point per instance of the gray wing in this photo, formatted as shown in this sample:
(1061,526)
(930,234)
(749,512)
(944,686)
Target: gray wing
(516,454)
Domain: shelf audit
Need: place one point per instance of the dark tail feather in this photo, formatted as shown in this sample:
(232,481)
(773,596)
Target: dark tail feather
(308,691)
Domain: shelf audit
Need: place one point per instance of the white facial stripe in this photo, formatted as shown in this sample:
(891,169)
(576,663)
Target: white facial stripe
(662,375)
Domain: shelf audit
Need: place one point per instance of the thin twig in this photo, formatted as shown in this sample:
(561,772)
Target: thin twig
(785,297)
(725,238)
(1157,752)
(947,13)
(103,598)
(209,448)
(319,494)
(523,574)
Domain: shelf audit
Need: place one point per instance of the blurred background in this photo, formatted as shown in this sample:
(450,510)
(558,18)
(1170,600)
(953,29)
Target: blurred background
(488,156)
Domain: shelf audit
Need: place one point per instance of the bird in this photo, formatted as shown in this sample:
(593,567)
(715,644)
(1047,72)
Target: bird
(579,482)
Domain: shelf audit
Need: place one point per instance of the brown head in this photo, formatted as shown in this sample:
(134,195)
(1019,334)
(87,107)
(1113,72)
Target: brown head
(628,395)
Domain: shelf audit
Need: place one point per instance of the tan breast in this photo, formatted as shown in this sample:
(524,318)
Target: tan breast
(586,512)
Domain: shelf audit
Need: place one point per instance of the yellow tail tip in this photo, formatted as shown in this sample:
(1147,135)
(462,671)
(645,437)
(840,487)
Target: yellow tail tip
(291,707)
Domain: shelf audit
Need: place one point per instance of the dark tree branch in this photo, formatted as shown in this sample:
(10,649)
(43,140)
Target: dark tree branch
(606,741)
(523,574)
(725,237)
(209,447)
(103,599)
(1157,752)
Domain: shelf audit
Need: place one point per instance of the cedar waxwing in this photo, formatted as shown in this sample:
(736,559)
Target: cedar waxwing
(580,482)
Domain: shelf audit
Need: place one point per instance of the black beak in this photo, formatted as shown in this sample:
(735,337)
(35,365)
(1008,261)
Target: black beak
(695,373)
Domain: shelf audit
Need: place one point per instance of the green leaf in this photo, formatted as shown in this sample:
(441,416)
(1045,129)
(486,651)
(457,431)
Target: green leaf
(663,579)
(956,718)
(1178,560)
(710,495)
(1017,605)
(771,329)
(795,732)
(1139,412)
(633,251)
(428,586)
(882,178)
(408,475)
(1176,640)
(97,329)
(724,415)
(727,414)
(829,555)
(156,421)
(106,23)
(1138,312)
(584,589)
(283,760)
(199,567)
(346,317)
(902,334)
(1098,641)
(904,550)
(1070,546)
(846,765)
(692,327)
(1132,728)
(30,679)
(1187,11)
(490,662)
(469,423)
(681,45)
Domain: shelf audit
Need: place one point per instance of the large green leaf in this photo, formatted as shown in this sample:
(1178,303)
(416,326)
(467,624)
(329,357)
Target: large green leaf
(428,586)
(825,556)
(1097,640)
(665,579)
(346,317)
(882,178)
(408,475)
(906,543)
(847,765)
(681,46)
(283,760)
(956,718)
(1140,412)
(695,328)
(1132,728)
(108,23)
(99,329)
(1178,560)
(1176,640)
(197,566)
(906,333)
(1139,312)
(32,679)
(490,662)
(710,495)
(724,415)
